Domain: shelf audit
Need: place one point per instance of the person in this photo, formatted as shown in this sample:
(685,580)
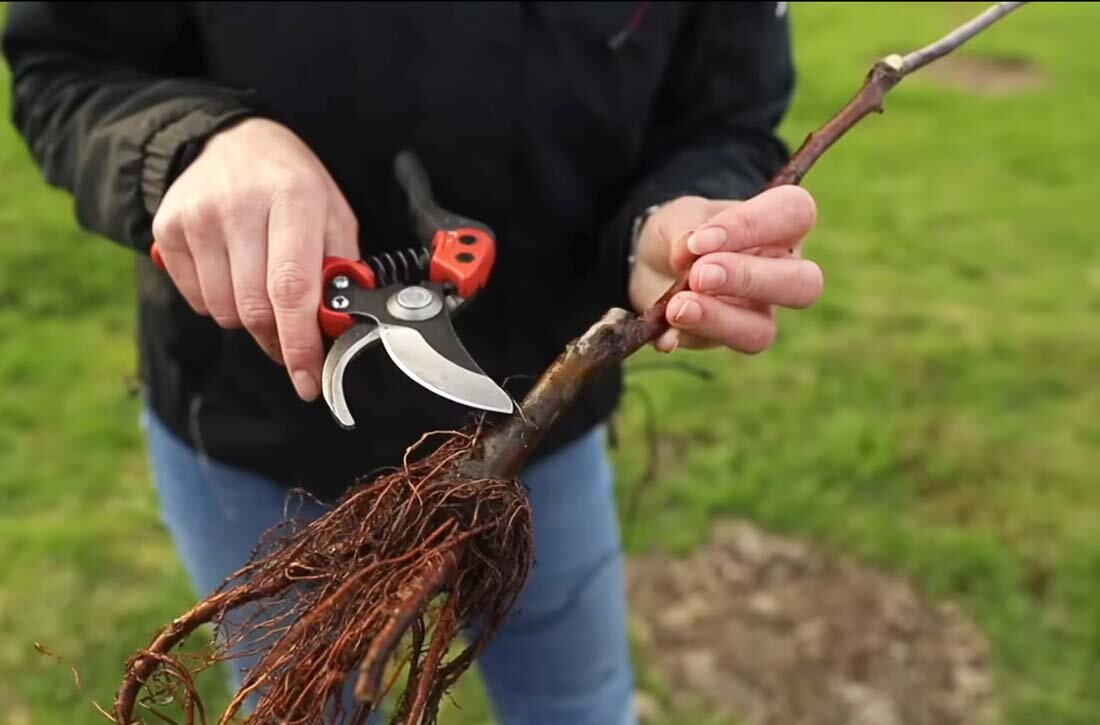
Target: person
(610,146)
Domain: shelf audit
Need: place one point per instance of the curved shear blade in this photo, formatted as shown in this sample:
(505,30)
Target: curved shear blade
(343,351)
(465,384)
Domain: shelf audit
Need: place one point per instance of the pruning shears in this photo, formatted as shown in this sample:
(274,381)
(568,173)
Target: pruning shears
(406,299)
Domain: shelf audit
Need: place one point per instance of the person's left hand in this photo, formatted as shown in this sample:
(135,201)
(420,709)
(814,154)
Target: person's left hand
(745,260)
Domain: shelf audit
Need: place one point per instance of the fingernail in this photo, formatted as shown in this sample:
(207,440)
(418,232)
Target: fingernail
(707,240)
(673,308)
(710,276)
(689,311)
(304,384)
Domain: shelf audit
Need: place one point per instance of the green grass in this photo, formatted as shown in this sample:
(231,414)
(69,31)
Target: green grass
(937,413)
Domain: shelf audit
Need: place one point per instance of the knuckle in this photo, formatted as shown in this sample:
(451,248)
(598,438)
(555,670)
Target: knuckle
(288,285)
(297,187)
(225,203)
(743,277)
(167,225)
(255,313)
(744,225)
(298,352)
(226,319)
(240,200)
(198,211)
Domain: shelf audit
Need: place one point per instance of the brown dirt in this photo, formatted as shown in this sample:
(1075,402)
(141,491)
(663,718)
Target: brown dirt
(993,76)
(773,631)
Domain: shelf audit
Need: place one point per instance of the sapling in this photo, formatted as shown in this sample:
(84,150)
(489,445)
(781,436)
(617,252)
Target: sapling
(437,549)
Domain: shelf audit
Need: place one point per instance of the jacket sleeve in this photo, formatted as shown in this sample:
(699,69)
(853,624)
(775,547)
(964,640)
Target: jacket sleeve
(110,101)
(714,128)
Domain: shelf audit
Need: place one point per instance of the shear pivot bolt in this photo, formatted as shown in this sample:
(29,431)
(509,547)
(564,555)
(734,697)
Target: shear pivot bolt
(340,282)
(339,302)
(414,298)
(414,304)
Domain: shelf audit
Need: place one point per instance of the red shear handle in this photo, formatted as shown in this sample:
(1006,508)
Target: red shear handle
(333,324)
(464,257)
(157,259)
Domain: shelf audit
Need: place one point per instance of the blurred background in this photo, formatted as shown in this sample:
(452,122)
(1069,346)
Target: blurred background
(893,516)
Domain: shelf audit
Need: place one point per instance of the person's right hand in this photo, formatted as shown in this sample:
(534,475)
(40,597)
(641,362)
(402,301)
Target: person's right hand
(243,232)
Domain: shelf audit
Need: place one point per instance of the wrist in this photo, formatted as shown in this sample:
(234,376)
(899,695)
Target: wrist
(174,147)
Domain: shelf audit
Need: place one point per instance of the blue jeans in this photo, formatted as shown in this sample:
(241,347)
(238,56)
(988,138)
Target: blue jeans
(563,655)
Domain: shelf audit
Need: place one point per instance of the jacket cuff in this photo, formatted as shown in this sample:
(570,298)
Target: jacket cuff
(172,148)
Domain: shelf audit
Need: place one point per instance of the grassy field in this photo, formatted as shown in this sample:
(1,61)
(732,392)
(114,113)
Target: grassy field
(937,413)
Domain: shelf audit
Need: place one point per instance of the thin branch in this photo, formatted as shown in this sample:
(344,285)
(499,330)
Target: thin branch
(920,58)
(884,75)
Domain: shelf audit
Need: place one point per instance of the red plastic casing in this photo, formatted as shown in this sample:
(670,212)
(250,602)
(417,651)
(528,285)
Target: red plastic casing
(158,260)
(333,324)
(464,257)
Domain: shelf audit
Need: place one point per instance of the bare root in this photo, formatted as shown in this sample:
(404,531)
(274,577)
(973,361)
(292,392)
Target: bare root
(428,549)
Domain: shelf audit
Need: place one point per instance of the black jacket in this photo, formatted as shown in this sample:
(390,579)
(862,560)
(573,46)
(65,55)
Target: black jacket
(555,123)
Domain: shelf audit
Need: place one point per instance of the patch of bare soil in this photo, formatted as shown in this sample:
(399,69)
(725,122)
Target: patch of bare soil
(985,75)
(773,631)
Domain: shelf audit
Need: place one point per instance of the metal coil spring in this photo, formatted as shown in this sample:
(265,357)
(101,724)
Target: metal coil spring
(407,266)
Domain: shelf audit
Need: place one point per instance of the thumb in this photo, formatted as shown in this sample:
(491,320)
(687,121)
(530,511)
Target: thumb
(680,255)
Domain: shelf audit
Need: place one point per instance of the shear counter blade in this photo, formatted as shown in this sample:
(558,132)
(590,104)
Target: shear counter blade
(343,351)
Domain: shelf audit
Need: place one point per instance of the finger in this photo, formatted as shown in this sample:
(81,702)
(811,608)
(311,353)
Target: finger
(668,341)
(172,244)
(296,227)
(207,244)
(779,216)
(181,268)
(794,283)
(672,340)
(690,341)
(709,320)
(341,226)
(247,235)
(674,228)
